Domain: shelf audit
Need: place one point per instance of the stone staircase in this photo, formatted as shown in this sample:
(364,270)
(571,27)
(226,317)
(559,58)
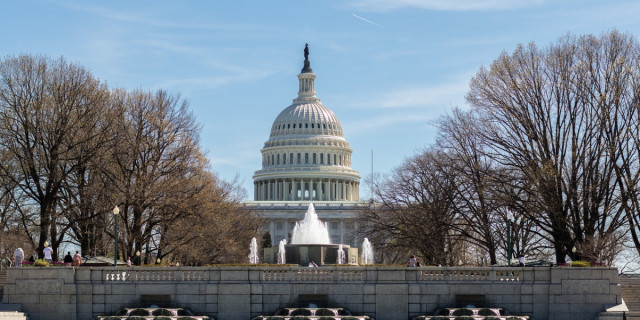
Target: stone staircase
(630,289)
(8,311)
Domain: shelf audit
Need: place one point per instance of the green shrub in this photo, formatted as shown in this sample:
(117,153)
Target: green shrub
(344,312)
(514,318)
(41,263)
(161,318)
(301,317)
(440,318)
(581,264)
(442,312)
(491,318)
(136,318)
(301,312)
(463,312)
(139,312)
(327,318)
(276,318)
(464,318)
(325,312)
(162,312)
(186,318)
(486,312)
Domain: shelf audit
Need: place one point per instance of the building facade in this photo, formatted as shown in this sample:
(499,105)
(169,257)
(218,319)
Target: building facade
(307,159)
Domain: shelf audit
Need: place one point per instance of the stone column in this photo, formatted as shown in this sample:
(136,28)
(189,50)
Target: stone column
(303,189)
(272,230)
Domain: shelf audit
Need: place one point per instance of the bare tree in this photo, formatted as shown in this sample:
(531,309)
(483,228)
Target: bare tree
(44,104)
(413,212)
(217,230)
(155,166)
(548,114)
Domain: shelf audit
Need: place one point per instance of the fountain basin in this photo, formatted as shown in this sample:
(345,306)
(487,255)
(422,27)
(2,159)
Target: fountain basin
(321,254)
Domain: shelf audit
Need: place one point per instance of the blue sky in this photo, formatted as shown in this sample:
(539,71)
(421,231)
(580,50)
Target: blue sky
(387,68)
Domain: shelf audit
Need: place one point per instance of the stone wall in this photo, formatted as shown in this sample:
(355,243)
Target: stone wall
(230,293)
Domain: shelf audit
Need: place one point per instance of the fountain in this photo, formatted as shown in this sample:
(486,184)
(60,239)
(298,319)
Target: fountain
(310,242)
(367,252)
(310,230)
(154,312)
(313,313)
(341,255)
(253,251)
(282,258)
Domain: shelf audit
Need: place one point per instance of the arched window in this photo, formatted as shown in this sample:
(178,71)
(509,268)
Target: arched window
(314,158)
(272,160)
(334,160)
(278,158)
(328,159)
(289,126)
(298,158)
(322,158)
(306,158)
(306,125)
(312,126)
(291,158)
(294,125)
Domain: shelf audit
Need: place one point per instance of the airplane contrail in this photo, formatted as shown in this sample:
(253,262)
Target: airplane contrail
(366,20)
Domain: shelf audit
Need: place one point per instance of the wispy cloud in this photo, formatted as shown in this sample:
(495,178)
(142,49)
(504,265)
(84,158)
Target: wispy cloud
(366,125)
(438,95)
(368,21)
(144,17)
(444,5)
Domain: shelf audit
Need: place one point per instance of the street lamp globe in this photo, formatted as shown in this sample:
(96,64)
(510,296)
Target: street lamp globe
(116,211)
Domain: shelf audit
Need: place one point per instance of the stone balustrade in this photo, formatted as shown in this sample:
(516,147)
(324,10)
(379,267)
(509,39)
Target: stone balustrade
(230,293)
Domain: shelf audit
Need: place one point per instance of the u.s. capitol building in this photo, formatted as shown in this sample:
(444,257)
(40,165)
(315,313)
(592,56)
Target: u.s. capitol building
(307,159)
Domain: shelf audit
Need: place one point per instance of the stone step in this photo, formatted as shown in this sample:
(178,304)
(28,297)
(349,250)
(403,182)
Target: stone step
(10,307)
(12,315)
(618,316)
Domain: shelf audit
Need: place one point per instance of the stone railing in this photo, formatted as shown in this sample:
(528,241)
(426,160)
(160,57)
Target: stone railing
(470,274)
(154,274)
(313,275)
(330,274)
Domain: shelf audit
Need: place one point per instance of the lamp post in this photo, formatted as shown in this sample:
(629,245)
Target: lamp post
(138,258)
(509,221)
(116,210)
(573,250)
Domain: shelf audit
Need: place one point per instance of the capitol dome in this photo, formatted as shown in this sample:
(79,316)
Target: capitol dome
(306,156)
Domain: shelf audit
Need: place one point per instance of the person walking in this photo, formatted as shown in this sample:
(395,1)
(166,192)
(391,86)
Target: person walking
(412,261)
(68,259)
(521,260)
(18,256)
(48,252)
(77,259)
